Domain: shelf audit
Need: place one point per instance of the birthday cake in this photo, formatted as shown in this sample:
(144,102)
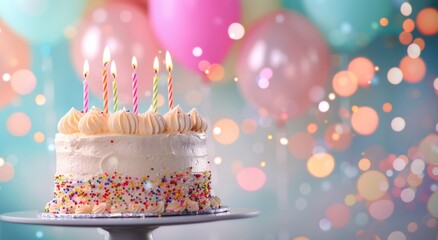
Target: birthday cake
(130,163)
(124,162)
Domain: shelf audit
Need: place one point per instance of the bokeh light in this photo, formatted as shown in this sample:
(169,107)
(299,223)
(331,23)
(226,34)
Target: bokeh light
(197,52)
(428,148)
(405,37)
(301,238)
(321,165)
(432,171)
(432,204)
(338,214)
(414,50)
(381,209)
(6,77)
(398,124)
(364,164)
(236,31)
(397,235)
(301,145)
(420,42)
(338,136)
(217,160)
(418,166)
(7,172)
(407,195)
(23,81)
(427,21)
(284,141)
(39,137)
(408,25)
(387,107)
(215,72)
(383,22)
(2,161)
(248,126)
(372,185)
(251,179)
(18,124)
(413,69)
(406,9)
(350,200)
(323,106)
(364,70)
(40,99)
(226,131)
(412,227)
(325,224)
(395,75)
(365,120)
(345,83)
(312,128)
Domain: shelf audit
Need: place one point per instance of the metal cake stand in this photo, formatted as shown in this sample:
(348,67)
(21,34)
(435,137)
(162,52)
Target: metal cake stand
(126,228)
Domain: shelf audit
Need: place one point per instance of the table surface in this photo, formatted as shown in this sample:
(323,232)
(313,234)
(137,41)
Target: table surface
(32,217)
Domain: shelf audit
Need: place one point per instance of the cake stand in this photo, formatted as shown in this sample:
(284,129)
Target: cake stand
(126,228)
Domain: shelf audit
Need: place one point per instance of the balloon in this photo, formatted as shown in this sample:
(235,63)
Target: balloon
(254,9)
(127,32)
(283,58)
(348,25)
(14,56)
(41,21)
(194,30)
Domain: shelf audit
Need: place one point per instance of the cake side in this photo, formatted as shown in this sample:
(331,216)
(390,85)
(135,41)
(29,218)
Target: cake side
(128,163)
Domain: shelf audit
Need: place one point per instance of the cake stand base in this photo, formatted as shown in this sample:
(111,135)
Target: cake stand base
(138,233)
(126,228)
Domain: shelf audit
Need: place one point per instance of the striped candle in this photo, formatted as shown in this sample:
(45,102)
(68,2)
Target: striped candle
(169,67)
(134,86)
(106,59)
(115,90)
(155,86)
(85,83)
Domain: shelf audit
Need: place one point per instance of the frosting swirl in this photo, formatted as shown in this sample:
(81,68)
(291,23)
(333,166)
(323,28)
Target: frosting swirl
(51,207)
(215,202)
(134,208)
(123,122)
(199,124)
(83,209)
(177,121)
(175,206)
(99,208)
(157,207)
(93,122)
(68,124)
(118,208)
(151,123)
(192,205)
(204,203)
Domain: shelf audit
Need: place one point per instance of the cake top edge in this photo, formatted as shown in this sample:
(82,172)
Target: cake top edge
(95,122)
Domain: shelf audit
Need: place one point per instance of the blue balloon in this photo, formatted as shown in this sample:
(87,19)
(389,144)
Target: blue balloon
(348,25)
(41,21)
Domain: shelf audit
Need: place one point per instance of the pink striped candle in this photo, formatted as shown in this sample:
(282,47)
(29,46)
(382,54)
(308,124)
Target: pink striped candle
(169,67)
(85,83)
(134,86)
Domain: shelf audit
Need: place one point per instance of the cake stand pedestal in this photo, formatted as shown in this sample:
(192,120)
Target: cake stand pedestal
(126,228)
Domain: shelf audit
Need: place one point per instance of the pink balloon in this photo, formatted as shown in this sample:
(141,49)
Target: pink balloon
(14,56)
(127,32)
(282,60)
(187,28)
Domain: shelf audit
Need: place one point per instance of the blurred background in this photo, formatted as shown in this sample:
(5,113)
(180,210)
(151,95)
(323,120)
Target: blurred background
(322,114)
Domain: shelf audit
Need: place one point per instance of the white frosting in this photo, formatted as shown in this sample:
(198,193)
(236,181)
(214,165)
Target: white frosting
(151,123)
(176,206)
(134,208)
(93,122)
(215,202)
(199,124)
(69,122)
(83,209)
(204,203)
(133,155)
(123,122)
(118,208)
(99,208)
(177,121)
(157,207)
(192,205)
